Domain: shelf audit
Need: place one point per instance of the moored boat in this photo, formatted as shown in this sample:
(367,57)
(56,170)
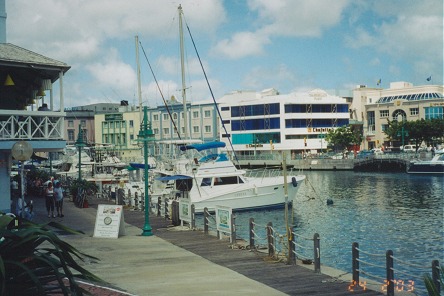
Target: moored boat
(433,166)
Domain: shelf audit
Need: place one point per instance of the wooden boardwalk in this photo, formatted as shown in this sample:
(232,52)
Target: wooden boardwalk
(289,279)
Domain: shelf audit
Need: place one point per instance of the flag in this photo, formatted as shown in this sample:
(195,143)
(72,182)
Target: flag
(378,82)
(429,78)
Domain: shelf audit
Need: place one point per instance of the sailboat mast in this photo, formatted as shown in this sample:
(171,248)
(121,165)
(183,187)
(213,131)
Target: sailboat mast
(182,67)
(139,86)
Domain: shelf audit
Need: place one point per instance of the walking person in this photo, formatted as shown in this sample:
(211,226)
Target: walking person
(58,196)
(49,196)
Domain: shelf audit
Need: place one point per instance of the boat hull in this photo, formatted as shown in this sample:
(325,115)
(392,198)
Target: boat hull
(426,168)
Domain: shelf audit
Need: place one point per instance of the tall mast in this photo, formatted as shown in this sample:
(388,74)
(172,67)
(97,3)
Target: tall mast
(182,67)
(139,86)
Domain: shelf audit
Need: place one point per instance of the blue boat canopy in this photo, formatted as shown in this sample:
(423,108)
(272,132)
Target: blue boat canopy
(204,146)
(174,177)
(138,165)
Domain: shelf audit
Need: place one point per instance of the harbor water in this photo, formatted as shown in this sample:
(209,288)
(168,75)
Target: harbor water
(380,211)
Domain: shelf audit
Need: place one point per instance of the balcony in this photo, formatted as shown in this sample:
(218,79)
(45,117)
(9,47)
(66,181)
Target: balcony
(31,125)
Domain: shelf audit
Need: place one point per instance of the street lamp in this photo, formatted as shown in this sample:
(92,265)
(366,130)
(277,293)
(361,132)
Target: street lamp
(22,151)
(79,144)
(146,135)
(400,119)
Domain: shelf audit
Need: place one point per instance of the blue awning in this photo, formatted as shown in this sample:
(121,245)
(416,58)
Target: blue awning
(174,177)
(204,146)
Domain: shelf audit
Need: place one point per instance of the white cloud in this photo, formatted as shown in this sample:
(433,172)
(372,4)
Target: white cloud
(281,18)
(242,44)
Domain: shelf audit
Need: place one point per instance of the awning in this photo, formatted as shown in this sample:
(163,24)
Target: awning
(174,177)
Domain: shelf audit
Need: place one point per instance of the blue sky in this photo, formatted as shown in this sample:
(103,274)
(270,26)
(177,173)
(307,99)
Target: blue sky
(290,45)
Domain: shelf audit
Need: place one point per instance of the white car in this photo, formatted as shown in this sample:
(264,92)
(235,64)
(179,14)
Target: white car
(409,148)
(378,151)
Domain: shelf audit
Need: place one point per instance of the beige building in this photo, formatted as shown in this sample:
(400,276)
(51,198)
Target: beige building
(374,107)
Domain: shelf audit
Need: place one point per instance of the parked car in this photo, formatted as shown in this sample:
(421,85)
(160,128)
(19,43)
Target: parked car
(365,154)
(409,148)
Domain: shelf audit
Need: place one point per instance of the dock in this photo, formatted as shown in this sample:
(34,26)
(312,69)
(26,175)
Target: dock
(181,261)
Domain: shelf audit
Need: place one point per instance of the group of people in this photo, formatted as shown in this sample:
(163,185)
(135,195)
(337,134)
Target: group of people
(54,198)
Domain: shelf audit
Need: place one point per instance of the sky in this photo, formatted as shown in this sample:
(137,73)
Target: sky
(289,45)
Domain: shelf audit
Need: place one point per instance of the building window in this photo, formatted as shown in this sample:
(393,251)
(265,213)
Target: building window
(434,112)
(71,135)
(195,114)
(165,116)
(131,123)
(156,117)
(208,128)
(384,127)
(131,137)
(414,111)
(70,123)
(156,131)
(166,131)
(195,129)
(83,123)
(207,114)
(384,113)
(183,130)
(174,116)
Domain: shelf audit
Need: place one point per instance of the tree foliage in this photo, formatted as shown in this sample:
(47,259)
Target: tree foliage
(430,131)
(343,137)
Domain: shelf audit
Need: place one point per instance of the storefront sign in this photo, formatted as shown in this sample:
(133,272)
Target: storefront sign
(109,221)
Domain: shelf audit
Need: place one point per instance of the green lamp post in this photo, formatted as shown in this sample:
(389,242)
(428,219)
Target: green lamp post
(404,133)
(145,136)
(79,144)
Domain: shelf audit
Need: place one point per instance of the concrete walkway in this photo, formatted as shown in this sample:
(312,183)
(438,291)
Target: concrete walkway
(148,265)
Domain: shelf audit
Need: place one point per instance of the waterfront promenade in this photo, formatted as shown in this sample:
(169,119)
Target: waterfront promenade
(175,261)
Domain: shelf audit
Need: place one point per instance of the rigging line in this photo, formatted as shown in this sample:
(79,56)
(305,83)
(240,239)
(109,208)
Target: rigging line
(212,95)
(161,94)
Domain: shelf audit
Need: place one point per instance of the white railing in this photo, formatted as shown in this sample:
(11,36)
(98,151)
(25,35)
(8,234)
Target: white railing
(36,125)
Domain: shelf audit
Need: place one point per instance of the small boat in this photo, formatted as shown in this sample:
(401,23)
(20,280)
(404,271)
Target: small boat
(434,166)
(214,180)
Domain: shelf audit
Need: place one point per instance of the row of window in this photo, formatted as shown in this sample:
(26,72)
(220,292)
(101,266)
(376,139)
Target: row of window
(304,123)
(412,97)
(196,129)
(195,114)
(386,113)
(254,110)
(71,123)
(316,108)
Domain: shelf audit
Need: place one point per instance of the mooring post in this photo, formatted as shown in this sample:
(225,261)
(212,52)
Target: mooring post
(317,252)
(436,275)
(270,238)
(355,263)
(251,233)
(193,220)
(206,220)
(233,229)
(390,273)
(159,206)
(291,254)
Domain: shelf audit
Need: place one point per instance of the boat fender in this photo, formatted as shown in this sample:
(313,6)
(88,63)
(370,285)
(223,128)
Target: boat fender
(329,201)
(294,182)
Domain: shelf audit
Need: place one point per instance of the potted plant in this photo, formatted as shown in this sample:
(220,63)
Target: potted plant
(80,190)
(35,261)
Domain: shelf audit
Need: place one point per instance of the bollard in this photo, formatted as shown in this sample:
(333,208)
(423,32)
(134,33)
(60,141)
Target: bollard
(206,215)
(317,253)
(233,230)
(175,213)
(436,275)
(159,204)
(355,263)
(252,234)
(390,273)
(193,220)
(270,238)
(167,210)
(291,246)
(136,201)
